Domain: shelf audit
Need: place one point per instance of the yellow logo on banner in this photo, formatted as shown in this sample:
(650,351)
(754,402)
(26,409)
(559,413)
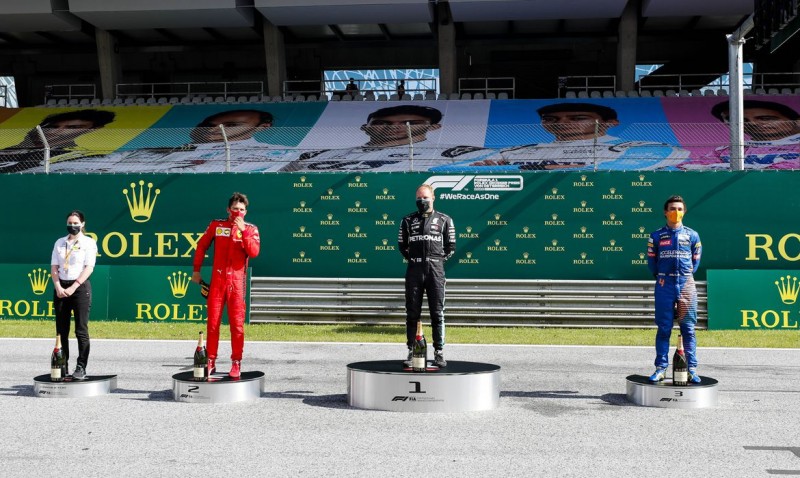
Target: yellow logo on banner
(303,183)
(788,288)
(39,279)
(179,284)
(141,206)
(357,183)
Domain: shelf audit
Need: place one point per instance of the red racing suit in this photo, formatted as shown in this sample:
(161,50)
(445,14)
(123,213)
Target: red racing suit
(232,249)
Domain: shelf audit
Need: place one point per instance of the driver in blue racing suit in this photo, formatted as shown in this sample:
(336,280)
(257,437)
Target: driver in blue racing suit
(673,255)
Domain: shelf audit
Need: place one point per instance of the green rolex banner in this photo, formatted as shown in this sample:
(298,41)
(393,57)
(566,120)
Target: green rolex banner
(130,293)
(753,300)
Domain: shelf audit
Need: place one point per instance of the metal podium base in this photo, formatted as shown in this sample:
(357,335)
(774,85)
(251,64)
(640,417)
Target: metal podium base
(92,386)
(386,385)
(220,388)
(642,391)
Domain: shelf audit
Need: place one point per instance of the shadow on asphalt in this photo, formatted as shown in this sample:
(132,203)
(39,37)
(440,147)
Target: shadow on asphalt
(18,390)
(545,394)
(159,395)
(338,400)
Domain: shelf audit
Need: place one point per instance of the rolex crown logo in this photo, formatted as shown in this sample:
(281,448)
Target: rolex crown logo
(302,228)
(179,284)
(39,279)
(330,192)
(384,241)
(469,255)
(554,216)
(385,216)
(583,203)
(612,190)
(641,255)
(302,179)
(641,203)
(583,229)
(583,177)
(141,205)
(525,255)
(612,216)
(555,190)
(469,229)
(497,217)
(612,241)
(358,203)
(497,242)
(554,242)
(788,289)
(357,228)
(641,229)
(525,229)
(302,253)
(357,254)
(329,216)
(329,241)
(385,191)
(641,177)
(583,255)
(358,179)
(302,204)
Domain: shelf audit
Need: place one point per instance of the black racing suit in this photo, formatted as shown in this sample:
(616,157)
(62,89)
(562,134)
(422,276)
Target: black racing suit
(426,240)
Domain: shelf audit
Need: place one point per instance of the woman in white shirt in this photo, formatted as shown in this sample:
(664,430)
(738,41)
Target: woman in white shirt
(71,265)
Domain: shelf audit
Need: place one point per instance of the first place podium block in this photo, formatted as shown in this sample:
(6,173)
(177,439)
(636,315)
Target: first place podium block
(387,385)
(219,388)
(641,391)
(91,386)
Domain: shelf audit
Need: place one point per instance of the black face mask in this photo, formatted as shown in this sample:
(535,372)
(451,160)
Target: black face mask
(74,230)
(423,205)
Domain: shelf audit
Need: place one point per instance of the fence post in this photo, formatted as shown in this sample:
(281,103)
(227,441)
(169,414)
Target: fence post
(227,149)
(594,143)
(46,149)
(410,146)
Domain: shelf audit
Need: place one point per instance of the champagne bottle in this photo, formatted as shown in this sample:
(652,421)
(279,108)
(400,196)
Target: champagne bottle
(200,361)
(419,351)
(680,368)
(58,362)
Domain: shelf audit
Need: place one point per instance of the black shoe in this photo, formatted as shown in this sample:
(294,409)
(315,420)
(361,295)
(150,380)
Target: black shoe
(407,361)
(79,373)
(438,359)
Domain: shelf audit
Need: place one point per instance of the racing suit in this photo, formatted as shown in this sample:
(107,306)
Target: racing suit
(426,240)
(232,249)
(673,255)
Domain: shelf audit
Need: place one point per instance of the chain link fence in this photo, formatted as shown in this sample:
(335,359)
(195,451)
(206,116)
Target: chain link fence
(393,147)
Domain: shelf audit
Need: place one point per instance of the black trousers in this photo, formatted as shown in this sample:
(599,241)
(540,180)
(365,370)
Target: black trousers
(428,278)
(79,304)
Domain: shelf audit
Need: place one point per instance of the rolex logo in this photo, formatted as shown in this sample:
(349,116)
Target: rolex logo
(385,190)
(497,217)
(330,191)
(583,177)
(612,242)
(641,203)
(525,255)
(329,216)
(358,179)
(555,190)
(554,242)
(641,177)
(179,284)
(469,228)
(641,229)
(384,241)
(302,179)
(469,255)
(302,204)
(358,203)
(641,255)
(302,228)
(385,216)
(554,216)
(612,216)
(583,255)
(583,203)
(497,242)
(357,228)
(329,241)
(141,205)
(583,229)
(357,254)
(302,253)
(612,190)
(788,289)
(525,229)
(39,279)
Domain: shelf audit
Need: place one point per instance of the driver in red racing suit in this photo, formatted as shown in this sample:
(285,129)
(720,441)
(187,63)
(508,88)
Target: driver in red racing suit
(235,241)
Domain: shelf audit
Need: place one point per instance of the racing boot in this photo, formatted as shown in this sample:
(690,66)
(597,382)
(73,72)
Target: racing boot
(236,369)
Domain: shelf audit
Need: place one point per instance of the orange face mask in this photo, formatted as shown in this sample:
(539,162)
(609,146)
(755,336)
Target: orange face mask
(675,216)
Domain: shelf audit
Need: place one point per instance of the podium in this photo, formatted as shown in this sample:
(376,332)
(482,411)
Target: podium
(91,386)
(220,388)
(641,391)
(387,385)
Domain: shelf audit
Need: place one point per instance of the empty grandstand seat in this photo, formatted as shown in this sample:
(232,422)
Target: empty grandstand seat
(84,102)
(251,99)
(208,99)
(51,102)
(311,98)
(646,94)
(466,96)
(620,94)
(608,94)
(773,91)
(747,91)
(220,99)
(322,97)
(118,101)
(670,93)
(491,95)
(417,97)
(140,101)
(62,102)
(300,98)
(709,92)
(162,101)
(347,97)
(335,97)
(684,93)
(151,101)
(358,97)
(595,94)
(394,97)
(797,91)
(277,98)
(95,101)
(129,101)
(185,100)
(658,93)
(73,102)
(761,91)
(405,97)
(786,91)
(583,94)
(632,94)
(173,100)
(502,95)
(382,97)
(722,92)
(570,94)
(196,100)
(477,96)
(369,96)
(107,102)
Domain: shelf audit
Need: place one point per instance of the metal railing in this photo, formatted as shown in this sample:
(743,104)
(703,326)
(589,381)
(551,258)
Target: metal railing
(474,302)
(223,89)
(485,86)
(413,87)
(586,84)
(69,92)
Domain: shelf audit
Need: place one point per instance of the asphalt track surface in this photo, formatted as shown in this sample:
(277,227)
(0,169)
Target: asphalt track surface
(563,412)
